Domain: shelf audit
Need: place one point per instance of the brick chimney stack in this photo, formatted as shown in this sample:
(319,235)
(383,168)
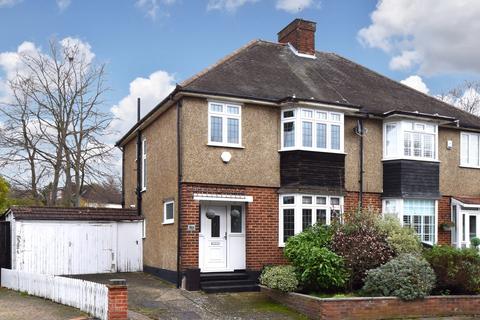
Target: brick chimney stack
(300,34)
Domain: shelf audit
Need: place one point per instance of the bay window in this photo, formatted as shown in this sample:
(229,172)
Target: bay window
(313,130)
(470,149)
(224,124)
(418,214)
(299,212)
(410,140)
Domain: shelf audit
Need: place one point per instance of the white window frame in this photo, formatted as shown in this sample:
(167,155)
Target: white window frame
(144,228)
(467,162)
(144,165)
(399,213)
(298,119)
(165,220)
(298,211)
(225,116)
(402,126)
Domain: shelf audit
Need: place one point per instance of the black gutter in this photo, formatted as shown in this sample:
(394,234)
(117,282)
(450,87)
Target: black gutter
(417,114)
(179,196)
(139,163)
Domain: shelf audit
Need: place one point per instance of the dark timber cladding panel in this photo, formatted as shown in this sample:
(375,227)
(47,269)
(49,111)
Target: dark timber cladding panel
(5,245)
(410,178)
(318,170)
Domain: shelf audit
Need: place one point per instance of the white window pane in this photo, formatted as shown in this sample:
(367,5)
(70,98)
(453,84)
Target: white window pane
(233,130)
(464,147)
(216,107)
(419,127)
(306,200)
(430,128)
(288,200)
(216,129)
(321,115)
(417,144)
(288,114)
(335,137)
(307,114)
(321,135)
(306,134)
(407,144)
(391,139)
(288,134)
(428,149)
(473,150)
(334,201)
(321,200)
(233,110)
(335,117)
(306,218)
(169,211)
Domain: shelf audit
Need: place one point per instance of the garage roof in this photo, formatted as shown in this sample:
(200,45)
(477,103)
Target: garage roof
(59,213)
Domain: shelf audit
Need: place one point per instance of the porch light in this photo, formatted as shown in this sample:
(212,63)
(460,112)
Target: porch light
(235,213)
(210,214)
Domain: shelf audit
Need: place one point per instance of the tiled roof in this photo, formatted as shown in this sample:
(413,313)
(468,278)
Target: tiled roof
(468,200)
(59,213)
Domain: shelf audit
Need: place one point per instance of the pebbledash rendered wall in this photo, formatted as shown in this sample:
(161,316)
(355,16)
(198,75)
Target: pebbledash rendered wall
(372,308)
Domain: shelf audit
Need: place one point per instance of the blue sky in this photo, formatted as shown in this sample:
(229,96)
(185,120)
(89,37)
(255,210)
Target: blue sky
(178,38)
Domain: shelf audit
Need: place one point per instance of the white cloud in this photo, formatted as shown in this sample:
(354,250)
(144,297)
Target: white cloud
(435,36)
(63,4)
(151,7)
(294,6)
(151,90)
(416,83)
(9,3)
(228,5)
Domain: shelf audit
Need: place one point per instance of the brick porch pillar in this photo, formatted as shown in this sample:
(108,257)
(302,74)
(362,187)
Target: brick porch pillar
(117,300)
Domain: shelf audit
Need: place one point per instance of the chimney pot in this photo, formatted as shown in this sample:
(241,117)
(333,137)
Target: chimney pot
(300,34)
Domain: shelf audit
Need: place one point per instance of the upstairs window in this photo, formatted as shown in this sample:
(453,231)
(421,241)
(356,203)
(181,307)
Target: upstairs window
(318,130)
(224,124)
(470,150)
(410,140)
(168,212)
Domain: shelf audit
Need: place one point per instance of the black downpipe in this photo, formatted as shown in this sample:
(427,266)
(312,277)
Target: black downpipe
(139,163)
(179,196)
(361,132)
(123,176)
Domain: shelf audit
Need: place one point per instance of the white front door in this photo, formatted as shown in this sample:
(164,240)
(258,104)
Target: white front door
(222,237)
(468,226)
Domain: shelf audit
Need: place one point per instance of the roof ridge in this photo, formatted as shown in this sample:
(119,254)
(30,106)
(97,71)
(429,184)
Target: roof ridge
(219,62)
(404,85)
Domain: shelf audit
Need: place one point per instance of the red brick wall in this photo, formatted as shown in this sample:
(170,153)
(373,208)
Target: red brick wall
(444,215)
(370,201)
(261,224)
(377,308)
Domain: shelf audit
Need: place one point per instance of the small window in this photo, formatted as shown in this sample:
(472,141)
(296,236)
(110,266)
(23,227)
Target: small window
(335,117)
(288,200)
(335,201)
(470,150)
(321,200)
(307,114)
(306,200)
(321,115)
(288,114)
(168,212)
(224,124)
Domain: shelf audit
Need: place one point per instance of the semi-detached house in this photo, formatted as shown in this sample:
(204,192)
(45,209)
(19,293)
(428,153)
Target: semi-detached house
(278,136)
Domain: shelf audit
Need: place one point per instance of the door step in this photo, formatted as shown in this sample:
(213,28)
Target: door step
(238,281)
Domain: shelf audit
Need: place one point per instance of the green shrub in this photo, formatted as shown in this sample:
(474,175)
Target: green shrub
(407,276)
(317,267)
(401,239)
(362,245)
(281,278)
(457,270)
(475,242)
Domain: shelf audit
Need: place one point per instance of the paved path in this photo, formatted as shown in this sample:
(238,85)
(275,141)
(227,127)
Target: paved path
(151,298)
(15,306)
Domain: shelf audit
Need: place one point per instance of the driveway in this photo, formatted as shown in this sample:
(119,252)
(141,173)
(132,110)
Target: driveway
(152,298)
(14,306)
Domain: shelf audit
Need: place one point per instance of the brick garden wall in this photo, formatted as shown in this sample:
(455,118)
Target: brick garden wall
(261,224)
(378,307)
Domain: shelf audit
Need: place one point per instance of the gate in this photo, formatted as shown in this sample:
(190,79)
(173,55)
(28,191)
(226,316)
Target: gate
(5,245)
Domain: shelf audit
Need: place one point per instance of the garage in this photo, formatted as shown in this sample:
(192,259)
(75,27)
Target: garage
(67,241)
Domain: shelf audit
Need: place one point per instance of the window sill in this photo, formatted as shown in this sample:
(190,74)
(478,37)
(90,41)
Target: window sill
(468,167)
(413,159)
(312,150)
(168,222)
(223,145)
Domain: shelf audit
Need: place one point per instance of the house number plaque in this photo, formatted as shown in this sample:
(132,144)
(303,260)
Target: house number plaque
(191,227)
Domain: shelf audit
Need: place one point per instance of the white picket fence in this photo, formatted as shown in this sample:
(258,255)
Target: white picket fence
(87,296)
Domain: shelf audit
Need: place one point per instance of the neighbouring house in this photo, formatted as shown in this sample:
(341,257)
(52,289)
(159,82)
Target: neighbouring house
(278,136)
(67,241)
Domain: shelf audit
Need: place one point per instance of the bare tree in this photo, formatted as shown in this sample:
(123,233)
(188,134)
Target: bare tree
(466,97)
(63,93)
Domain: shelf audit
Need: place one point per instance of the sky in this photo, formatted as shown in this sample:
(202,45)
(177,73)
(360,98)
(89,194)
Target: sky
(150,45)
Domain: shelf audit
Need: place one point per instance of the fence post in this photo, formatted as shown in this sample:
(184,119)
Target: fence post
(117,300)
